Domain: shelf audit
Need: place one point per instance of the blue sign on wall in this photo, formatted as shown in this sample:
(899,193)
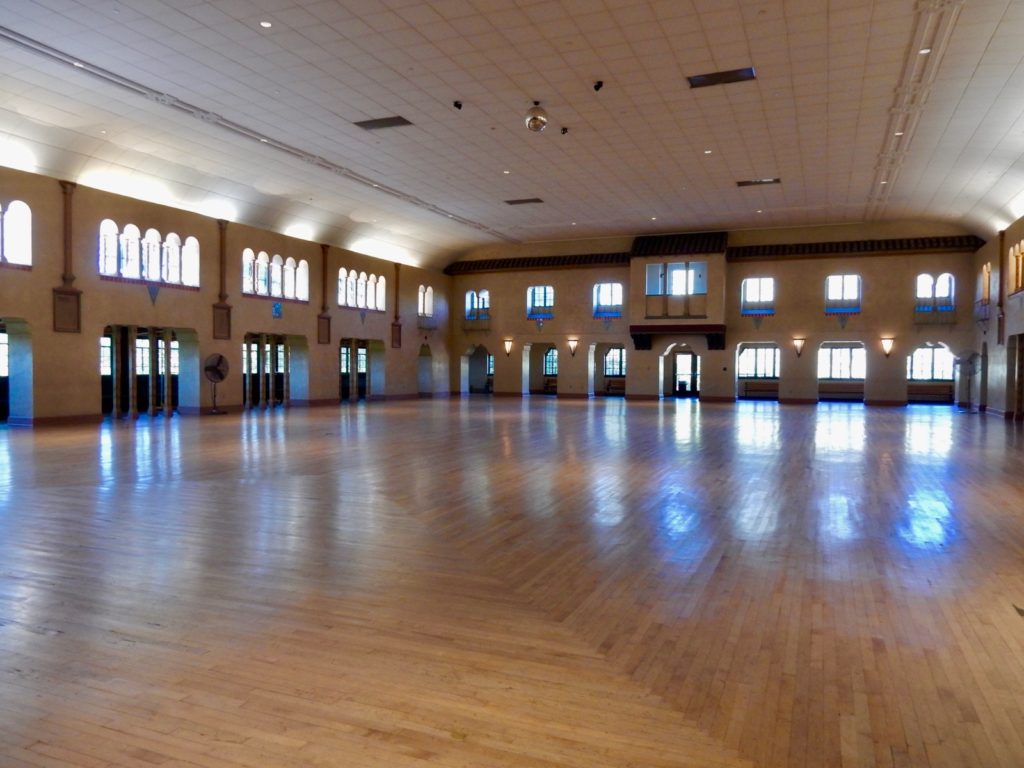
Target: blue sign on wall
(275,309)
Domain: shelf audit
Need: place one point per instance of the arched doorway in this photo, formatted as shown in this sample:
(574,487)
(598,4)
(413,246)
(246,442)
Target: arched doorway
(267,370)
(543,369)
(476,368)
(425,372)
(140,370)
(680,371)
(353,357)
(609,370)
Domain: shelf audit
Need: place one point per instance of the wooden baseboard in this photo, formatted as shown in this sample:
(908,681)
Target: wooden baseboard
(642,397)
(21,422)
(886,403)
(798,400)
(716,399)
(508,394)
(573,396)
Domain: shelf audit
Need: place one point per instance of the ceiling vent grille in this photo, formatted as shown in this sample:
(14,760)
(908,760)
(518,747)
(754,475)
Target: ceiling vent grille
(758,182)
(397,121)
(524,201)
(722,78)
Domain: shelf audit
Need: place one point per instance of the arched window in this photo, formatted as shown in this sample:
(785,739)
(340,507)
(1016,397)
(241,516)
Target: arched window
(615,362)
(263,274)
(276,267)
(931,364)
(130,261)
(342,281)
(361,290)
(425,304)
(483,304)
(248,271)
(170,262)
(471,306)
(381,294)
(190,262)
(371,293)
(986,283)
(108,247)
(302,281)
(16,247)
(289,278)
(935,294)
(551,362)
(944,293)
(151,247)
(350,289)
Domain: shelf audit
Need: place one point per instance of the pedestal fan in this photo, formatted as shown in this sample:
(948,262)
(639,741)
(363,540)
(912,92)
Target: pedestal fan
(216,368)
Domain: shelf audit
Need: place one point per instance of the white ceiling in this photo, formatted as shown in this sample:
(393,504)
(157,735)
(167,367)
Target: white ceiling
(171,98)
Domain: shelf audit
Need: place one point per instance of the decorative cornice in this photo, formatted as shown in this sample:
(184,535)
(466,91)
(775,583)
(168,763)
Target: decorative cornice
(901,246)
(682,244)
(523,263)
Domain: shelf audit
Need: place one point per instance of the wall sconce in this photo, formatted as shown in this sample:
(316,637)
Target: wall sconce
(573,343)
(798,345)
(887,345)
(508,347)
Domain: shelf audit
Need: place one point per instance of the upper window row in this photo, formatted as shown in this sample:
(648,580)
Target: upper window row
(425,301)
(130,255)
(843,294)
(356,289)
(16,234)
(265,275)
(540,302)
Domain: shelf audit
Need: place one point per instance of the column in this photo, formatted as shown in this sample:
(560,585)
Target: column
(115,370)
(154,372)
(274,368)
(132,335)
(168,378)
(286,367)
(261,368)
(353,367)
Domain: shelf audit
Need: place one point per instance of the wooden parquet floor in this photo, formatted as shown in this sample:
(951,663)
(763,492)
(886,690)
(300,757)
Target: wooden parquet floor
(503,583)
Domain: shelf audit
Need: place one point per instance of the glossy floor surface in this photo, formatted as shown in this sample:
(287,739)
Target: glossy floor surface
(515,583)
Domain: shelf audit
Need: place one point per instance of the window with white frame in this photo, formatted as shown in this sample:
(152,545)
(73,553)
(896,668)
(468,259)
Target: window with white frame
(551,362)
(540,301)
(757,296)
(361,291)
(130,255)
(16,239)
(758,361)
(931,364)
(842,294)
(142,357)
(490,365)
(934,294)
(608,300)
(478,305)
(682,278)
(615,362)
(425,301)
(5,356)
(274,276)
(839,361)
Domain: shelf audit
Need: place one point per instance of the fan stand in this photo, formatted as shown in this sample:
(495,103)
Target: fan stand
(215,411)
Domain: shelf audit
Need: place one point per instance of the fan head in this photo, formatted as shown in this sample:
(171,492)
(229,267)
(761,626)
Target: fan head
(216,368)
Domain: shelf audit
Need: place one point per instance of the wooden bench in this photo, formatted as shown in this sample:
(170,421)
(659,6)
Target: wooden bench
(615,387)
(759,389)
(930,391)
(550,385)
(841,390)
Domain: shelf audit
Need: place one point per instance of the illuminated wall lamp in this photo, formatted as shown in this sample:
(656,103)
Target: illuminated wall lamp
(887,343)
(573,343)
(798,345)
(508,347)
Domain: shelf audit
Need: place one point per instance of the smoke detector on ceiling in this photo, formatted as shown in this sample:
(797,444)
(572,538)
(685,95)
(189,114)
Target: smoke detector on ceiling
(536,118)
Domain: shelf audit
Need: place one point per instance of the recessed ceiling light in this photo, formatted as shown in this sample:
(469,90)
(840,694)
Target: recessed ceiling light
(78,64)
(654,218)
(266,24)
(574,224)
(899,133)
(883,182)
(263,141)
(759,210)
(923,51)
(506,172)
(707,151)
